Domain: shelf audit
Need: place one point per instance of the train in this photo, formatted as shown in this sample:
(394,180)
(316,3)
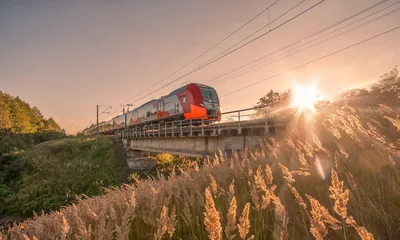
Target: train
(192,101)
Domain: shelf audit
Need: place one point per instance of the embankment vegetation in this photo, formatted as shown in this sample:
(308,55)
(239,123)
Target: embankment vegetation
(21,127)
(53,173)
(335,174)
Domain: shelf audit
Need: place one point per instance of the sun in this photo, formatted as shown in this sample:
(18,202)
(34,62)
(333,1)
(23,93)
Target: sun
(305,97)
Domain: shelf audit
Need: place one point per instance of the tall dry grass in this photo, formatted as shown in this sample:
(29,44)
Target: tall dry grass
(332,175)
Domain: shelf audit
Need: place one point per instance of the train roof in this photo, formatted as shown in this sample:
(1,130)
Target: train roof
(148,102)
(184,87)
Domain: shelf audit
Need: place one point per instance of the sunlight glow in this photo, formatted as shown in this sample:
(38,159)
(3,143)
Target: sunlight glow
(320,168)
(305,97)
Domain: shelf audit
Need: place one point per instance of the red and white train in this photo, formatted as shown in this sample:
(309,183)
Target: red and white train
(193,101)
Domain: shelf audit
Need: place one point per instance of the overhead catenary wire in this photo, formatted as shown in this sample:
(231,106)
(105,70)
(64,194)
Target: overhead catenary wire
(303,39)
(279,57)
(266,25)
(312,61)
(211,48)
(230,52)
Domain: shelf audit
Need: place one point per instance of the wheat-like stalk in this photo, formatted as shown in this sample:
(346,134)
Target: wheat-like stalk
(268,174)
(212,218)
(362,232)
(162,223)
(171,222)
(259,180)
(231,220)
(64,227)
(395,122)
(340,196)
(299,199)
(244,222)
(231,190)
(352,182)
(186,214)
(214,186)
(317,228)
(286,173)
(254,195)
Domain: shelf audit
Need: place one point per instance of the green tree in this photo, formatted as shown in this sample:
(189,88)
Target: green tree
(5,115)
(19,117)
(273,100)
(37,119)
(51,125)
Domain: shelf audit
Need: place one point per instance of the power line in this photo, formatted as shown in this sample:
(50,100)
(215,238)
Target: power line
(266,25)
(301,40)
(312,61)
(279,57)
(209,49)
(241,46)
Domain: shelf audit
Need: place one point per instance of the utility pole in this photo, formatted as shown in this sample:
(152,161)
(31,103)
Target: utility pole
(123,111)
(97,116)
(97,119)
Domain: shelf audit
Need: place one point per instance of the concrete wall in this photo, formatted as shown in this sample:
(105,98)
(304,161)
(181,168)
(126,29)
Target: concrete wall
(192,146)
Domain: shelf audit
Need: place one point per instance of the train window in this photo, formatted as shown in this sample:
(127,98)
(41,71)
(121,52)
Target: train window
(209,94)
(184,99)
(160,106)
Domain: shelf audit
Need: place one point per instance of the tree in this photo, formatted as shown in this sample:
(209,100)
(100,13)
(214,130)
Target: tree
(51,125)
(5,116)
(388,82)
(17,116)
(37,119)
(273,100)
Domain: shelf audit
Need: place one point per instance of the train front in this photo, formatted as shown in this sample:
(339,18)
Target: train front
(210,102)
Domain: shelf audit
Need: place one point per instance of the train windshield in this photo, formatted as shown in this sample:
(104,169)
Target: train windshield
(209,94)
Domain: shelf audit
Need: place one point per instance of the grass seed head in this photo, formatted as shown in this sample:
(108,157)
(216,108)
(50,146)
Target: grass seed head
(211,218)
(317,228)
(162,223)
(231,220)
(362,232)
(297,196)
(286,173)
(244,222)
(340,196)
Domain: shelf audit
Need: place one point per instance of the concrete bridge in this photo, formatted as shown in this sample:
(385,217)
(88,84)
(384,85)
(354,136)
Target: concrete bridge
(196,138)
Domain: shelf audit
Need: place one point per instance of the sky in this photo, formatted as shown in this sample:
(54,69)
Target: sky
(66,57)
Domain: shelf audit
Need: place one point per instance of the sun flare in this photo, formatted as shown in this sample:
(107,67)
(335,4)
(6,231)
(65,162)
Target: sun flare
(305,97)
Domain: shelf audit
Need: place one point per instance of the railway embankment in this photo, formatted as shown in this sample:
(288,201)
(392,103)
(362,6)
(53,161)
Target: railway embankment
(53,173)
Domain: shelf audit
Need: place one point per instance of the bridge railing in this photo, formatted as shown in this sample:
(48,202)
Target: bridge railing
(236,120)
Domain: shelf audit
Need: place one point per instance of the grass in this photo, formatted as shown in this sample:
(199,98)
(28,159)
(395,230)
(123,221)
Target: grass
(54,172)
(332,175)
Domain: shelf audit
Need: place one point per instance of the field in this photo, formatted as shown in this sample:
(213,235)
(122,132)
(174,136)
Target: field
(334,175)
